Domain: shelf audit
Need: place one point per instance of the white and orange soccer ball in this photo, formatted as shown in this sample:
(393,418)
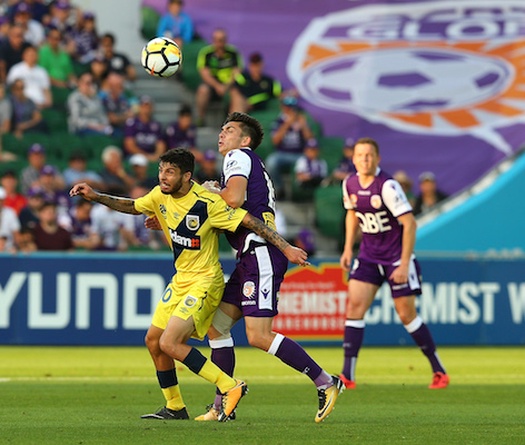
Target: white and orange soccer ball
(161,57)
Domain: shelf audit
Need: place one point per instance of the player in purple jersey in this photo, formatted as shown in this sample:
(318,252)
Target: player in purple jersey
(376,204)
(252,290)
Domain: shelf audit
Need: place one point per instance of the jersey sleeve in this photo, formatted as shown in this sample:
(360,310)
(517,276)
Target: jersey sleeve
(224,217)
(394,198)
(236,163)
(146,203)
(347,202)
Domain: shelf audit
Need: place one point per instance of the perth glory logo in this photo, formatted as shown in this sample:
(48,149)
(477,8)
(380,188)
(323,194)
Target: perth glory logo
(443,68)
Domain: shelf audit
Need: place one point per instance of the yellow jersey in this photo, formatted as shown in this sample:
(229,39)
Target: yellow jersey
(192,224)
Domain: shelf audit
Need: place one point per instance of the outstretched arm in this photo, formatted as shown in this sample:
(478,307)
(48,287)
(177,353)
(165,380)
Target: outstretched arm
(294,254)
(123,205)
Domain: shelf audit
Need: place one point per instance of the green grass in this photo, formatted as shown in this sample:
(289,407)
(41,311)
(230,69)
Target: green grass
(59,395)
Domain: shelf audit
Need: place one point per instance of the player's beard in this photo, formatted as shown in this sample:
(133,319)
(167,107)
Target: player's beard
(175,188)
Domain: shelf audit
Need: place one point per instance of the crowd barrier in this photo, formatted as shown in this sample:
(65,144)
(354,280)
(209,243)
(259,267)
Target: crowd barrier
(108,299)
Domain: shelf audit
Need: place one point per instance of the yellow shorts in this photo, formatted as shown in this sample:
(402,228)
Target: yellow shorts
(190,295)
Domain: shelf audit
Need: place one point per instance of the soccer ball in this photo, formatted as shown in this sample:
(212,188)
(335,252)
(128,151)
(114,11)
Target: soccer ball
(161,57)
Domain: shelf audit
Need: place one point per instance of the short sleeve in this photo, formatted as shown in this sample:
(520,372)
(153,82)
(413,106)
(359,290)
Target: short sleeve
(236,163)
(146,203)
(347,202)
(394,198)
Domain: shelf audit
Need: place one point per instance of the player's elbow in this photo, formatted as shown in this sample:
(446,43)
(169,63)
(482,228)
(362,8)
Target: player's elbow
(234,202)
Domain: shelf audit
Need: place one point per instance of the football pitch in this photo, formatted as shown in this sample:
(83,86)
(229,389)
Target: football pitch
(95,395)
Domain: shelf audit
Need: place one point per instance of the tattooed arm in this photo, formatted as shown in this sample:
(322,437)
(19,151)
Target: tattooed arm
(294,254)
(123,205)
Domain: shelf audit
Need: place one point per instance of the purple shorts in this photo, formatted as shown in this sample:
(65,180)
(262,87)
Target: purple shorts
(254,284)
(375,273)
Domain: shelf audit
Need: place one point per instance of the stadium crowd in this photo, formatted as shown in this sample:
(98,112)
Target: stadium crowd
(70,111)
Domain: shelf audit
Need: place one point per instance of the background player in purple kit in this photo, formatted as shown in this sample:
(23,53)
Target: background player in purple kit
(376,204)
(251,292)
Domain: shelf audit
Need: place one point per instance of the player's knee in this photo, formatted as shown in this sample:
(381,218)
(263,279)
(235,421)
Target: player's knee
(259,340)
(407,315)
(221,326)
(152,344)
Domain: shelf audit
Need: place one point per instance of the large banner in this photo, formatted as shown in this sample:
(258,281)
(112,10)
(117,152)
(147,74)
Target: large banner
(109,299)
(440,84)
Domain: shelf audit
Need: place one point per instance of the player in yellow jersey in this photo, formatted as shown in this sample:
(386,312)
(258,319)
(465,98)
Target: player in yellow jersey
(191,219)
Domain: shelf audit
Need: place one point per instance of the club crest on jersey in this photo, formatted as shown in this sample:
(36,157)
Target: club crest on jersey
(162,209)
(193,222)
(190,301)
(353,199)
(248,289)
(375,201)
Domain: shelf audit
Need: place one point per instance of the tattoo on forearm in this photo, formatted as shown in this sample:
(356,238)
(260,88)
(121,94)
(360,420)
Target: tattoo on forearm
(266,232)
(124,205)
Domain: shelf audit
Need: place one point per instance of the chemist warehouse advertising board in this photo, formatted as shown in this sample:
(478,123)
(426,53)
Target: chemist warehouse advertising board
(108,300)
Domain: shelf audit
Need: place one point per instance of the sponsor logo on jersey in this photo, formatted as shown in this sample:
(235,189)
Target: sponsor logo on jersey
(374,222)
(248,289)
(231,212)
(185,242)
(445,68)
(375,201)
(230,164)
(193,222)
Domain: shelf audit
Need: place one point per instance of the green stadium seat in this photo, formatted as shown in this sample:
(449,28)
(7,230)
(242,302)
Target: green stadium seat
(60,96)
(331,150)
(56,119)
(190,75)
(17,165)
(329,211)
(150,19)
(19,146)
(302,194)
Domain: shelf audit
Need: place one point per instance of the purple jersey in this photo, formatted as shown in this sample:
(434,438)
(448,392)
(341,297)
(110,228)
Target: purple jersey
(146,134)
(177,138)
(377,208)
(80,229)
(260,194)
(293,140)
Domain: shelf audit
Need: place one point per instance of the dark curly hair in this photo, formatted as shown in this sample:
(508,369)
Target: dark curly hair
(250,127)
(179,157)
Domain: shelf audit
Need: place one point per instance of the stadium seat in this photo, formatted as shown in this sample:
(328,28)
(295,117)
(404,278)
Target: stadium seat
(331,150)
(329,211)
(60,96)
(56,119)
(190,75)
(150,19)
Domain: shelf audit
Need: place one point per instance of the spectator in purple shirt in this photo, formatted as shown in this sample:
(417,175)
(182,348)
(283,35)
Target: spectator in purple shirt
(310,169)
(85,38)
(183,133)
(346,164)
(290,131)
(143,134)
